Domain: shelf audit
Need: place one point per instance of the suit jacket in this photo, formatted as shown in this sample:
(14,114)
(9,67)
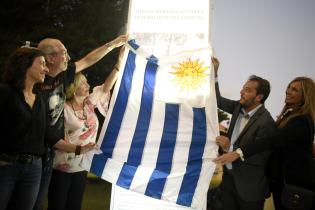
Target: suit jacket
(249,175)
(291,159)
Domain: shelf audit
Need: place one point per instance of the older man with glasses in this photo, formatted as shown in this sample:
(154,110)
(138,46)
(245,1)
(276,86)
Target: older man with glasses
(60,76)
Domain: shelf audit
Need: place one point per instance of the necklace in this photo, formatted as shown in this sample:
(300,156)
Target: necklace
(83,115)
(285,113)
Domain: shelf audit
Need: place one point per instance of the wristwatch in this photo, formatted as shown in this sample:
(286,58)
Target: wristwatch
(240,153)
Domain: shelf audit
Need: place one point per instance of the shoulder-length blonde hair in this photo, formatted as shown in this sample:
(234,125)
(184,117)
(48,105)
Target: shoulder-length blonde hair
(308,103)
(73,87)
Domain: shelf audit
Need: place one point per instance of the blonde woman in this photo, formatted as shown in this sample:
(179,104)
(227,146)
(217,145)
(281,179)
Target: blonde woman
(81,124)
(292,143)
(291,160)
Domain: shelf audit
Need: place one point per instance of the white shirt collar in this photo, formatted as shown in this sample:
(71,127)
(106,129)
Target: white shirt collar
(252,112)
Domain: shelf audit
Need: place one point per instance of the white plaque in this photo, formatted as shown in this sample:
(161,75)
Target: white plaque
(163,28)
(122,199)
(169,16)
(166,27)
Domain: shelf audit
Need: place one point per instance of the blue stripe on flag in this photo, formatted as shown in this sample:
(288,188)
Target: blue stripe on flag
(97,165)
(133,44)
(163,167)
(194,165)
(126,175)
(142,127)
(110,136)
(143,122)
(118,112)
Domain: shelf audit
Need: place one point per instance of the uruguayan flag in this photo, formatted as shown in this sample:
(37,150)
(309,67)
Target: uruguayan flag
(158,136)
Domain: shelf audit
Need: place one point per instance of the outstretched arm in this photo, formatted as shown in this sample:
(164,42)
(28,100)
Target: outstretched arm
(111,79)
(99,53)
(223,103)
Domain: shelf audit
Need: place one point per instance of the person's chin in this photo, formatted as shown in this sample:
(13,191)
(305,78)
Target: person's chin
(41,80)
(65,67)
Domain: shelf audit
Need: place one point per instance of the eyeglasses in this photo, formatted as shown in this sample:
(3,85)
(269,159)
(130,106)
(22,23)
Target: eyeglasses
(63,53)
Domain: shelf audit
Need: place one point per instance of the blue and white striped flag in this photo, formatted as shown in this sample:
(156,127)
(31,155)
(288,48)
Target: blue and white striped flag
(158,136)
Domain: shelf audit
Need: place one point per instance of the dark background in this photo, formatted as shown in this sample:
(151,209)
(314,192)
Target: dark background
(82,25)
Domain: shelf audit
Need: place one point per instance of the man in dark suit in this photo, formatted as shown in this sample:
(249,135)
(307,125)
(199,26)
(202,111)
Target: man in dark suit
(244,182)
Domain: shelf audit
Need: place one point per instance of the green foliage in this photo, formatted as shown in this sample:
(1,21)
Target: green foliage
(222,115)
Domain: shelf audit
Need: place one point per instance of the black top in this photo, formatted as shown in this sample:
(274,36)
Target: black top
(291,160)
(292,155)
(22,128)
(53,90)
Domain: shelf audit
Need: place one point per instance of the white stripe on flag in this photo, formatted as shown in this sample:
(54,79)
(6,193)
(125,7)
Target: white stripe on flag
(128,127)
(156,146)
(112,170)
(180,157)
(150,153)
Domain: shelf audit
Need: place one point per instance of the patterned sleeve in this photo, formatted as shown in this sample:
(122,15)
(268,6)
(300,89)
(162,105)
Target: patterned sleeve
(100,99)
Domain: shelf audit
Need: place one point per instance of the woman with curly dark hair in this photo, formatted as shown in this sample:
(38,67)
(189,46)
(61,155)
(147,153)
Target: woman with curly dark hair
(22,129)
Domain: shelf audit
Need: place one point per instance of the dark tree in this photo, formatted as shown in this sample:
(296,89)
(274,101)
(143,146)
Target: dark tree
(82,25)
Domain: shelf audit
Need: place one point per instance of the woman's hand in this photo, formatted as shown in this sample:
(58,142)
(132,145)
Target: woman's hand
(121,40)
(87,147)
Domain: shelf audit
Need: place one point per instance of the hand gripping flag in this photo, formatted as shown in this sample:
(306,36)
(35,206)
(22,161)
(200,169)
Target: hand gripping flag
(158,136)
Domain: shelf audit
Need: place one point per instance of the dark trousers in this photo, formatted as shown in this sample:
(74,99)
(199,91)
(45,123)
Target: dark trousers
(44,183)
(19,184)
(66,190)
(231,199)
(276,195)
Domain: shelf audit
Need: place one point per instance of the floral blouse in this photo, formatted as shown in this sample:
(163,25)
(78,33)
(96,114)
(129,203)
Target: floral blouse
(81,128)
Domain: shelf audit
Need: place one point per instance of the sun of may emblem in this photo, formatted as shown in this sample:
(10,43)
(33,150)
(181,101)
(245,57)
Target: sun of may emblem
(189,75)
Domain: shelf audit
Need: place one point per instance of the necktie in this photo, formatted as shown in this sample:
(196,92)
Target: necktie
(242,121)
